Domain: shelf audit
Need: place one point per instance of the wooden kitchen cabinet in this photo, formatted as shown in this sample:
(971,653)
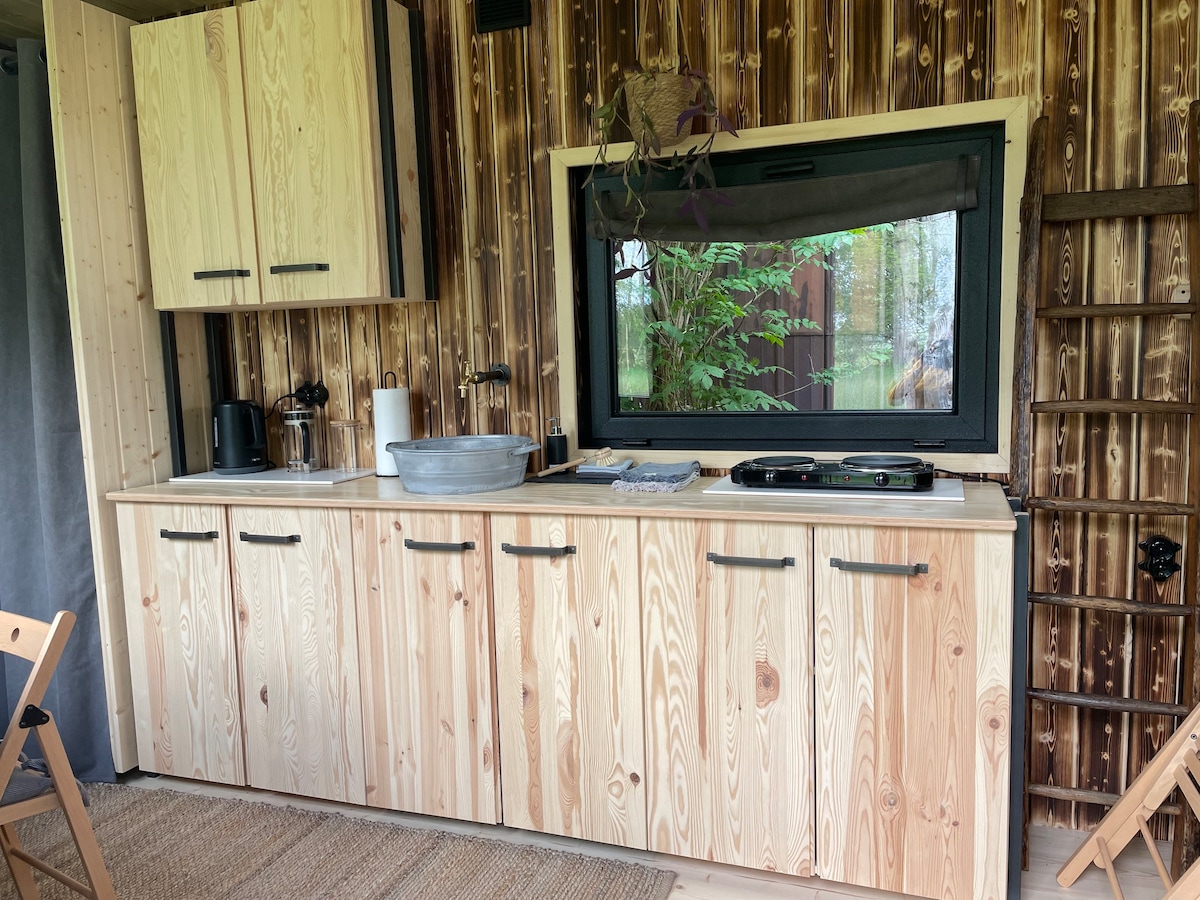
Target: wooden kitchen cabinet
(913,709)
(424,611)
(178,609)
(569,692)
(314,148)
(812,688)
(293,589)
(261,156)
(196,161)
(727,662)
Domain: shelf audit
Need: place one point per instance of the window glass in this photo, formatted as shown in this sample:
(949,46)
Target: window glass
(854,320)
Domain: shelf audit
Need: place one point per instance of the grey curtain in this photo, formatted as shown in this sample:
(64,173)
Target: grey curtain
(781,210)
(45,543)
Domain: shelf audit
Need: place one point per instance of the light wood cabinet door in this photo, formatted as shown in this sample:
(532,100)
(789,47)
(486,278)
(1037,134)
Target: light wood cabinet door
(727,663)
(195,161)
(297,641)
(568,670)
(913,675)
(314,141)
(179,612)
(425,636)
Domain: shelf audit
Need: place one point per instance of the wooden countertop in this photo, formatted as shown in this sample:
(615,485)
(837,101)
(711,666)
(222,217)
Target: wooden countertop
(985,507)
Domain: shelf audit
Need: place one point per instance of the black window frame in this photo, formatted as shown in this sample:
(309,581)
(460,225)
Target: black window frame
(972,426)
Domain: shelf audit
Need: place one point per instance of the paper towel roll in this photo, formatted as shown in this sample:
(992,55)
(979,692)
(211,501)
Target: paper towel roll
(393,422)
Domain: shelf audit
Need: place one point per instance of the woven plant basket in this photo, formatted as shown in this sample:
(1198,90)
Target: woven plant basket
(659,97)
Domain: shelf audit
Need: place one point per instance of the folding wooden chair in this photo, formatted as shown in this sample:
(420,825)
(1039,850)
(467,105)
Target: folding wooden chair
(1175,765)
(26,792)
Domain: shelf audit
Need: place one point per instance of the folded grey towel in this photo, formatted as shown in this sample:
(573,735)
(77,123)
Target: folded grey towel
(653,487)
(662,478)
(662,473)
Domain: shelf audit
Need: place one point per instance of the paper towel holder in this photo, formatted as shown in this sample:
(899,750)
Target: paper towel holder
(391,415)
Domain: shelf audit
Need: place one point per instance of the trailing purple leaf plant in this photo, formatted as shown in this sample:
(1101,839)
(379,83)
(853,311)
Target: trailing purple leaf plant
(645,165)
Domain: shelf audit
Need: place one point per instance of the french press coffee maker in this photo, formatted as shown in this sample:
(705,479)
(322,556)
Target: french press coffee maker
(300,440)
(300,433)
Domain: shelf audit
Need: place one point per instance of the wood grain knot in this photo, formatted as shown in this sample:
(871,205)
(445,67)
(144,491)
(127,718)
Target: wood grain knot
(528,697)
(891,800)
(958,651)
(396,526)
(995,724)
(457,596)
(635,778)
(766,679)
(146,601)
(597,621)
(262,695)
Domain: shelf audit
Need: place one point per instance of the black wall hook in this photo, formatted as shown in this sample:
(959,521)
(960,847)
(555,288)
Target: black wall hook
(1160,553)
(310,395)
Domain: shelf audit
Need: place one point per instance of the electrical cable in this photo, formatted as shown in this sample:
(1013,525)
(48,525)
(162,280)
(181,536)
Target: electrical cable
(967,476)
(274,406)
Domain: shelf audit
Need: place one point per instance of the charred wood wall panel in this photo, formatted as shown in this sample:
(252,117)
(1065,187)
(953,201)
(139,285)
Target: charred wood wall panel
(1115,80)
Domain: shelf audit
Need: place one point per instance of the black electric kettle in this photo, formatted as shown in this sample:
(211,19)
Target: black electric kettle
(239,437)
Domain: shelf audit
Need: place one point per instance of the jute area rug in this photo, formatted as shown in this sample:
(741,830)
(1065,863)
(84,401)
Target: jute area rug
(161,844)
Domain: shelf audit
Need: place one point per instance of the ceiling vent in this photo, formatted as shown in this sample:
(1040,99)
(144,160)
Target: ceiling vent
(497,15)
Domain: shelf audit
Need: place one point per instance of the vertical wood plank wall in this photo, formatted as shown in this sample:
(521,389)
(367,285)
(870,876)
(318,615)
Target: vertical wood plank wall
(1115,80)
(117,346)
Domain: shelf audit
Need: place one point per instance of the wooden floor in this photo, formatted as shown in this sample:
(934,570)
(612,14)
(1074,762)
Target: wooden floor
(1049,847)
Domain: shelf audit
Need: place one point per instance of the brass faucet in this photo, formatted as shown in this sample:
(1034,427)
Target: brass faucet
(499,374)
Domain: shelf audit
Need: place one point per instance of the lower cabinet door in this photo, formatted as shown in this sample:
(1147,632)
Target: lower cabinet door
(297,638)
(913,706)
(179,612)
(727,637)
(424,633)
(568,669)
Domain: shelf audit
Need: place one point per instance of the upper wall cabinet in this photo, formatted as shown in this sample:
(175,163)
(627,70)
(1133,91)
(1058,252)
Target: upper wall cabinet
(314,148)
(195,161)
(274,191)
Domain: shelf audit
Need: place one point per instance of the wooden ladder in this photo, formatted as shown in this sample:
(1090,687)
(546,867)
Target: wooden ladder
(1039,209)
(1176,765)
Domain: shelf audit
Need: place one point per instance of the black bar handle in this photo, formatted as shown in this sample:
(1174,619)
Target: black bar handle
(878,568)
(222,273)
(269,538)
(789,170)
(517,550)
(757,563)
(460,547)
(300,267)
(188,535)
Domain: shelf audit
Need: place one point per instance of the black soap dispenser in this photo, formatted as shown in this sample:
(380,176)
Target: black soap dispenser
(556,443)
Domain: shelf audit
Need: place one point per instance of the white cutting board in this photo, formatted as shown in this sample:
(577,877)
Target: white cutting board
(275,476)
(943,489)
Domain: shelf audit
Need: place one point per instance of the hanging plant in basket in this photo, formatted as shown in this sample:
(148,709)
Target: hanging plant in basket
(659,107)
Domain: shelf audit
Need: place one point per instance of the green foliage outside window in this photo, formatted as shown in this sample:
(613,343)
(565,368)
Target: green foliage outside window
(688,322)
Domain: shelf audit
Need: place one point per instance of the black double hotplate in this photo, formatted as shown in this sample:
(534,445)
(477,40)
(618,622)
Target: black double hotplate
(872,472)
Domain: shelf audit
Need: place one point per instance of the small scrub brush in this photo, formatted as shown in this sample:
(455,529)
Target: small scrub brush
(602,457)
